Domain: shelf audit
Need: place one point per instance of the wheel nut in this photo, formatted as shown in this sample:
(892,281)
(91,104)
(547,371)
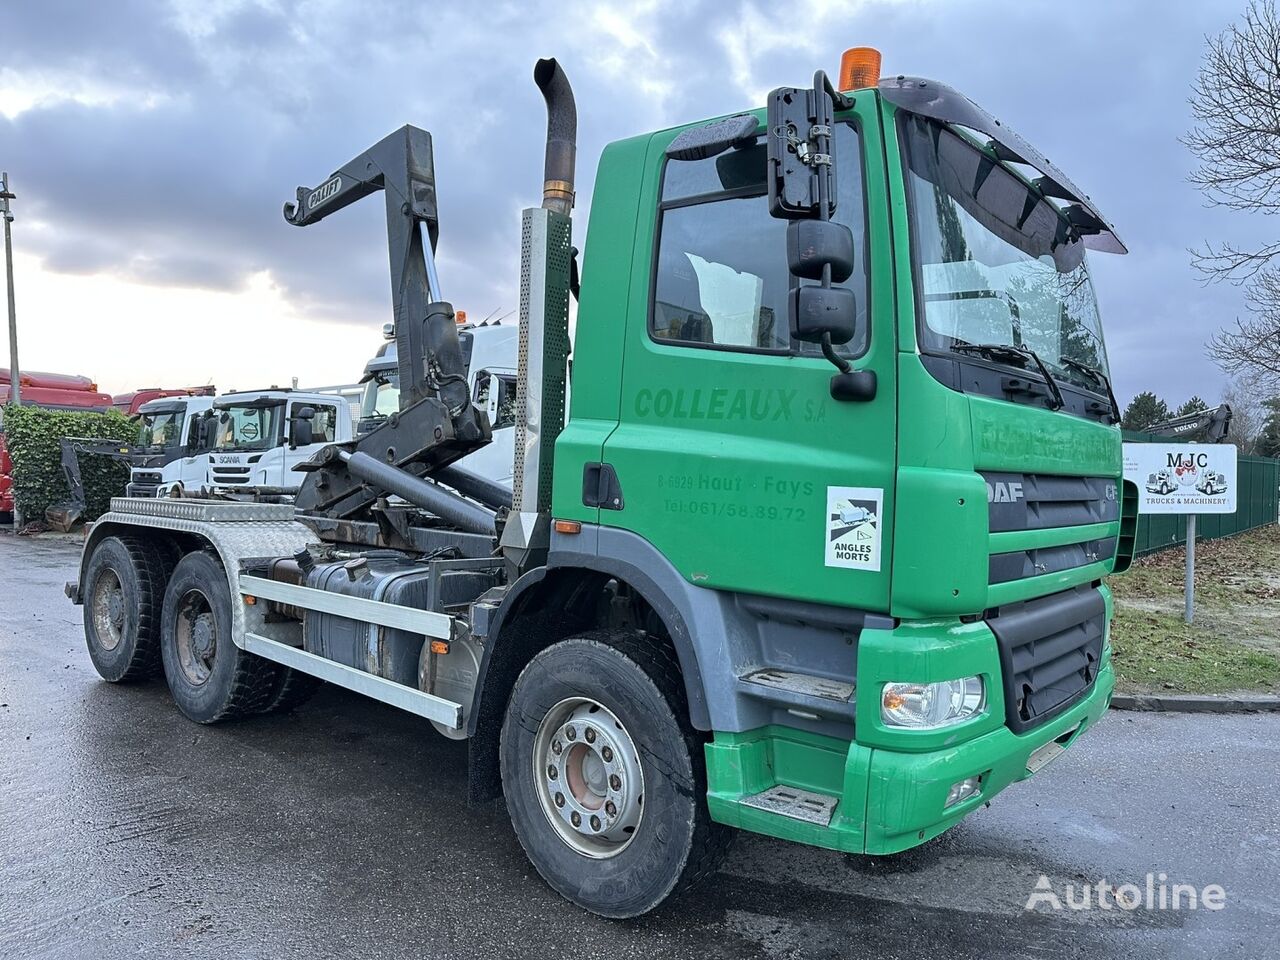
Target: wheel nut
(571,734)
(556,747)
(576,818)
(607,753)
(595,823)
(591,735)
(552,773)
(610,809)
(615,781)
(559,799)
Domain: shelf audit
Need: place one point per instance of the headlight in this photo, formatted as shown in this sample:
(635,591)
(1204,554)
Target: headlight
(927,706)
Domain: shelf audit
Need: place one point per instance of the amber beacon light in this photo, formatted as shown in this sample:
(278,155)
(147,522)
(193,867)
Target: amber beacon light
(859,68)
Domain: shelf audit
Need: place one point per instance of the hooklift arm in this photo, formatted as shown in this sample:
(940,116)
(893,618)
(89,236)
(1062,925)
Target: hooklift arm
(402,166)
(437,423)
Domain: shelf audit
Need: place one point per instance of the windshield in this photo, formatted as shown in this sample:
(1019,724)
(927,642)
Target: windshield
(247,428)
(996,262)
(160,429)
(381,396)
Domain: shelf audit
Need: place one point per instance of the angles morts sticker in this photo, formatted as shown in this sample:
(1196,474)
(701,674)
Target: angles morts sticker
(853,527)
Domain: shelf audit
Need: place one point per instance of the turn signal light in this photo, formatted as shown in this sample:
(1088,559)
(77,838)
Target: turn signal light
(859,68)
(440,647)
(568,526)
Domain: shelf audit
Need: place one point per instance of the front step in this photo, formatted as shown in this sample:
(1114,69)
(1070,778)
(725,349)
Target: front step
(802,684)
(797,804)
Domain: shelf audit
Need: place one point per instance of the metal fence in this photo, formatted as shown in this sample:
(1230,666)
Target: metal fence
(1257,504)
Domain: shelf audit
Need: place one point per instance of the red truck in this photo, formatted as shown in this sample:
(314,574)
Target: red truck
(58,391)
(128,403)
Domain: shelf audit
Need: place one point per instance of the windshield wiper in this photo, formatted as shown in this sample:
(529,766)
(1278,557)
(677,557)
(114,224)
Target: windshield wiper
(1008,353)
(1098,377)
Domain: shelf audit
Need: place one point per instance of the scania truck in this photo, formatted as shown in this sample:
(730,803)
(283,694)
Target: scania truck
(865,303)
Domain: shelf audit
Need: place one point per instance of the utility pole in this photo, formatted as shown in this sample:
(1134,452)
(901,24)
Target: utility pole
(5,197)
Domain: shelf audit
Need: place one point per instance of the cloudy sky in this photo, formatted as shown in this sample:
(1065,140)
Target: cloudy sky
(152,143)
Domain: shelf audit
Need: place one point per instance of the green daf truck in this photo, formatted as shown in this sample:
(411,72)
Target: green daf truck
(818,551)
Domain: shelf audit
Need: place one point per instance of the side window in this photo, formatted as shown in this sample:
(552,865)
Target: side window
(324,427)
(722,277)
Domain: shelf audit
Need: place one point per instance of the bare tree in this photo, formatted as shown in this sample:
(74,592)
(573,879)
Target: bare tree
(1248,413)
(1235,101)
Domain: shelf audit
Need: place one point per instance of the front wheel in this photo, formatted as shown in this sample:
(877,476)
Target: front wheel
(604,777)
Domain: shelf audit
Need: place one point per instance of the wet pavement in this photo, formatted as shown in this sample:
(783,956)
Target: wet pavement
(342,831)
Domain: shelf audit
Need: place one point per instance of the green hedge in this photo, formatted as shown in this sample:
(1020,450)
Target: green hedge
(33,434)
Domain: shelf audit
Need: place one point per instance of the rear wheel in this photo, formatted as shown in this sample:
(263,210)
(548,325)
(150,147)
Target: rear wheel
(604,777)
(123,591)
(210,677)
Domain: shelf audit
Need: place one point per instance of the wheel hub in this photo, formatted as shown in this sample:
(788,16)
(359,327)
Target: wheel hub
(197,635)
(108,609)
(590,781)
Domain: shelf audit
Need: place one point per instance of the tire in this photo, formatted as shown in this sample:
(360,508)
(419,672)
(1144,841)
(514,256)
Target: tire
(211,679)
(602,683)
(123,592)
(292,689)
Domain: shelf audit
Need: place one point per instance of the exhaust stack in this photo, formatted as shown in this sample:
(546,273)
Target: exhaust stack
(546,256)
(562,136)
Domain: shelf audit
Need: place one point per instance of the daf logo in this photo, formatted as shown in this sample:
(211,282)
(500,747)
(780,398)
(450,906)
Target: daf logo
(324,193)
(1002,492)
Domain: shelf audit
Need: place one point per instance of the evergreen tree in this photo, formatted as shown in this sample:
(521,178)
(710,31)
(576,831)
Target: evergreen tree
(1194,405)
(1144,410)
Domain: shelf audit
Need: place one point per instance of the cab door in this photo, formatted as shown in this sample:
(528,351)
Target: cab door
(732,457)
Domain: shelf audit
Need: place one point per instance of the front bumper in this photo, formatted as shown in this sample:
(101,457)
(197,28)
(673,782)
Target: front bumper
(890,785)
(906,792)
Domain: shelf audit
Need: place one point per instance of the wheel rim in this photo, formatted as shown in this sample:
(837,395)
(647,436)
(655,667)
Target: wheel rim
(197,635)
(590,783)
(108,609)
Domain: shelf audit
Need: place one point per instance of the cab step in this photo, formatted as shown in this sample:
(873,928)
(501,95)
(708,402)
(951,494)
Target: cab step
(802,684)
(797,804)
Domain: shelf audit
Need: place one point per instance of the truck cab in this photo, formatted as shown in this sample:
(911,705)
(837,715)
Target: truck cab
(171,439)
(257,436)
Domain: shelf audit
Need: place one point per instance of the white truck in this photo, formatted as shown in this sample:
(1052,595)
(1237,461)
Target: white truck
(239,441)
(1212,483)
(172,424)
(260,436)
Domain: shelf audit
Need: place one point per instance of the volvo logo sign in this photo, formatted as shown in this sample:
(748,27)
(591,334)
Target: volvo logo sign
(324,193)
(1004,492)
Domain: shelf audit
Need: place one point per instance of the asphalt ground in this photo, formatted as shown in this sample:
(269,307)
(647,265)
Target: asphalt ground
(341,831)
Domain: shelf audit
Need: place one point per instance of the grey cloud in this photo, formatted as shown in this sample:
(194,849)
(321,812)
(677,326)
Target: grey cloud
(188,190)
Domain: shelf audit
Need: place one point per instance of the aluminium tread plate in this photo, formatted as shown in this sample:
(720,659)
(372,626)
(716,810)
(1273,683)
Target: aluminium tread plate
(797,804)
(202,511)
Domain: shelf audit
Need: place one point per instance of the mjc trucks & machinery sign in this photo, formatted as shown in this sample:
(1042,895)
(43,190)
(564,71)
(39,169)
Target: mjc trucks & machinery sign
(1183,477)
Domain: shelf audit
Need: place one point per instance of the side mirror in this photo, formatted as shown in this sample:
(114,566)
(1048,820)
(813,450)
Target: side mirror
(815,244)
(818,312)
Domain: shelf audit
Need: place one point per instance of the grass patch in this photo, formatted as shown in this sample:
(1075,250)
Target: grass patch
(1234,644)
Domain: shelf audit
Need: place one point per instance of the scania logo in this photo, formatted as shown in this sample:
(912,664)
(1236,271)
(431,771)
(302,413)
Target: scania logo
(1002,492)
(324,192)
(229,459)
